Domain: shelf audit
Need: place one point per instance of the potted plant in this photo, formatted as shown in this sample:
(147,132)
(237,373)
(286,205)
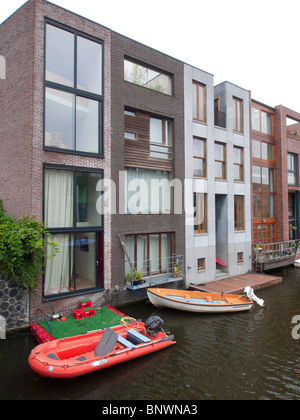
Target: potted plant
(177,270)
(135,277)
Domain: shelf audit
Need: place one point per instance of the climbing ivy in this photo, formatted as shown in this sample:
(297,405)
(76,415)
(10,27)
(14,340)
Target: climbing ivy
(24,246)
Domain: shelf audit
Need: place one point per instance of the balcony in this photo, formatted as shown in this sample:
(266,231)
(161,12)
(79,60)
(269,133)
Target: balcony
(154,272)
(220,119)
(275,255)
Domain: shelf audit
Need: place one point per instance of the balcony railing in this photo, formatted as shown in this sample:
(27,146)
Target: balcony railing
(147,273)
(220,119)
(278,254)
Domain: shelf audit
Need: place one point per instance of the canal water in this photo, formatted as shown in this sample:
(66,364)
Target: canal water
(242,356)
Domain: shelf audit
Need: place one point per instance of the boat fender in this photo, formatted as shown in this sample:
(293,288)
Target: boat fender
(249,292)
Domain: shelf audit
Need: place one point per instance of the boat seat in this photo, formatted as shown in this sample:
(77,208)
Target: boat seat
(125,342)
(208,299)
(106,343)
(136,338)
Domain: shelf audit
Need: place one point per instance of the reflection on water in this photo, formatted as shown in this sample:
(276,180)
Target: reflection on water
(249,355)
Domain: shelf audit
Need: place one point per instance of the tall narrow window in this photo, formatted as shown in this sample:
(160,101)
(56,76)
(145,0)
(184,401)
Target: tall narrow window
(220,160)
(200,213)
(199,158)
(160,138)
(199,102)
(239,205)
(238,153)
(292,169)
(238,115)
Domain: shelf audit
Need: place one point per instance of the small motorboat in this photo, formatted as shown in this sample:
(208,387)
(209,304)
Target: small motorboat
(82,354)
(202,302)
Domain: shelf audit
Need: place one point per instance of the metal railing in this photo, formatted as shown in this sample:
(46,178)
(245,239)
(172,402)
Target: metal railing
(155,271)
(274,255)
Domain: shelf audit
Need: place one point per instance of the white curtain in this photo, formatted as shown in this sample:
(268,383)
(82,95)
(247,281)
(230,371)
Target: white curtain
(142,262)
(59,213)
(148,191)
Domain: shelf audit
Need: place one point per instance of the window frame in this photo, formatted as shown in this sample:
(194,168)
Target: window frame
(240,257)
(74,90)
(295,158)
(261,111)
(261,143)
(148,67)
(240,165)
(200,265)
(198,107)
(167,137)
(148,259)
(198,215)
(239,220)
(263,195)
(202,158)
(224,163)
(74,230)
(238,120)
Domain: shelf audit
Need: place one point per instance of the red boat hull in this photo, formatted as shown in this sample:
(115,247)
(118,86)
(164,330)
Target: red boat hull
(75,356)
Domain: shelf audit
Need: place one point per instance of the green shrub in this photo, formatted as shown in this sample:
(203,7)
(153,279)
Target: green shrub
(23,249)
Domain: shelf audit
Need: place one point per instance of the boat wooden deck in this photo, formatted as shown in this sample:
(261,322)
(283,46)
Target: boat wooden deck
(237,284)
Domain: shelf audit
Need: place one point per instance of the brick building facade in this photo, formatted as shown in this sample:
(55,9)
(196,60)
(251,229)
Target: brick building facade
(47,85)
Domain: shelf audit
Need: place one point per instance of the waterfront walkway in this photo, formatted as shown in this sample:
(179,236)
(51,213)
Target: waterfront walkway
(237,284)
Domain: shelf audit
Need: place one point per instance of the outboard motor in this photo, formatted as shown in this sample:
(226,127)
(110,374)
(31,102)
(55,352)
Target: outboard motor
(154,325)
(249,292)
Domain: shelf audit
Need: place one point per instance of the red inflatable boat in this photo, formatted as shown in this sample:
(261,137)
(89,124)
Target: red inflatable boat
(76,356)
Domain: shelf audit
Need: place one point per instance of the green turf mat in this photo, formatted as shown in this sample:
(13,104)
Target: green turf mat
(104,317)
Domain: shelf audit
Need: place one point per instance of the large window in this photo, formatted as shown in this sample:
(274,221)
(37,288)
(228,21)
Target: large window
(262,121)
(199,102)
(149,253)
(73,91)
(73,215)
(238,115)
(263,192)
(148,191)
(142,75)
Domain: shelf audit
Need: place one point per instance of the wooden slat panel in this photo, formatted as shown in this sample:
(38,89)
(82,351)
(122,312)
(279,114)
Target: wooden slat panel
(137,152)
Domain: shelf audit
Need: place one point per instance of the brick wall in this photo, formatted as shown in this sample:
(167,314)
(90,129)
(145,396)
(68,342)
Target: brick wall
(22,115)
(125,94)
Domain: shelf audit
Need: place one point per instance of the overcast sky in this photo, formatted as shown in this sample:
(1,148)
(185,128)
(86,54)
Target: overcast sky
(252,44)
